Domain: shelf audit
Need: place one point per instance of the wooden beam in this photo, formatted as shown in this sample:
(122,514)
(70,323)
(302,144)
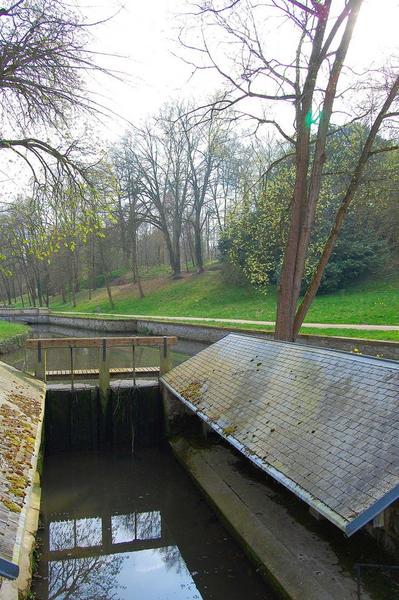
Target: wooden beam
(165,360)
(115,373)
(103,375)
(95,342)
(40,362)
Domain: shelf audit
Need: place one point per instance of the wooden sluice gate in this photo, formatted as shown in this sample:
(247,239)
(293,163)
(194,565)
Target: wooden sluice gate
(106,405)
(104,372)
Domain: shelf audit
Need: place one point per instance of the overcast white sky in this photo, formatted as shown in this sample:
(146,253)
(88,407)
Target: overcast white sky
(145,32)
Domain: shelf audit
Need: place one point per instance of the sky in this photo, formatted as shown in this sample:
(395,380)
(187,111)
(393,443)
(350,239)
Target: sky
(144,36)
(140,43)
(144,33)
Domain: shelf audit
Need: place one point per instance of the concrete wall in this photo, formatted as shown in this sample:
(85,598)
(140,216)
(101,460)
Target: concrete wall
(79,419)
(193,332)
(111,325)
(213,334)
(25,315)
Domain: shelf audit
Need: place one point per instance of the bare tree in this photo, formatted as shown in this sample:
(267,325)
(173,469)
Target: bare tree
(129,209)
(160,166)
(306,80)
(201,140)
(43,59)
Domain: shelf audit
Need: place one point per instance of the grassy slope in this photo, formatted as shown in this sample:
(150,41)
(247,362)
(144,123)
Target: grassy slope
(8,330)
(207,295)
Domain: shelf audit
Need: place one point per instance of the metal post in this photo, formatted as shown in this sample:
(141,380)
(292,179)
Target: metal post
(165,358)
(40,366)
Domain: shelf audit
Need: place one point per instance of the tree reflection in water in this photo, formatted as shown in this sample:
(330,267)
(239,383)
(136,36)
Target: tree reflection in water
(136,526)
(91,578)
(173,559)
(98,577)
(88,578)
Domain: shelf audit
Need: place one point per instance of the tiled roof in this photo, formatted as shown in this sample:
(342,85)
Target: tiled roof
(323,423)
(21,415)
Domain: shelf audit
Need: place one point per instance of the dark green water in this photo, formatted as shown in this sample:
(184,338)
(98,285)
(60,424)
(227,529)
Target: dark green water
(122,527)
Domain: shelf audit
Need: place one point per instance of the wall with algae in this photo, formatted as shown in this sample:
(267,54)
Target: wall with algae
(21,416)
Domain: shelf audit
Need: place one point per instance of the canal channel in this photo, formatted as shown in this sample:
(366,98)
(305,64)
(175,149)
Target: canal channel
(117,525)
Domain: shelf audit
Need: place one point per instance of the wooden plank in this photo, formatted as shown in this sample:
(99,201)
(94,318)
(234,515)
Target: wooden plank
(94,373)
(165,359)
(112,342)
(40,363)
(116,371)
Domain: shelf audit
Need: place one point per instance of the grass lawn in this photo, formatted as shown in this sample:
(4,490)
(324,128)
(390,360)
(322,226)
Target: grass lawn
(206,295)
(8,330)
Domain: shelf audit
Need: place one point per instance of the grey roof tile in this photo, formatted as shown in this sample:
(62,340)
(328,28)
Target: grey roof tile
(322,422)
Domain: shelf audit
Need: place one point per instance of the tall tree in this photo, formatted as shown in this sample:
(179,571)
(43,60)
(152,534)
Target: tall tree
(129,209)
(307,77)
(160,167)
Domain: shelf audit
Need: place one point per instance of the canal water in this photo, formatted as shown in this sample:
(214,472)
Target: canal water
(123,527)
(87,358)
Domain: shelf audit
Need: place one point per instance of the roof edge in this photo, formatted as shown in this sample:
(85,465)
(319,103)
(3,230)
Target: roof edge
(371,512)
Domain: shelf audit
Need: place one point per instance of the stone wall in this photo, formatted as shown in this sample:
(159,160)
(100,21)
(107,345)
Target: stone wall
(194,332)
(382,349)
(111,325)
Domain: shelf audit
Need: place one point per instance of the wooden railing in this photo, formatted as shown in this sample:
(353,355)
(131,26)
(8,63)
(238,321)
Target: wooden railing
(104,371)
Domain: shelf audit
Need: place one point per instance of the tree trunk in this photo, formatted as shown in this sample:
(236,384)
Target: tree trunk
(73,278)
(177,262)
(135,267)
(343,209)
(307,185)
(199,258)
(21,295)
(106,275)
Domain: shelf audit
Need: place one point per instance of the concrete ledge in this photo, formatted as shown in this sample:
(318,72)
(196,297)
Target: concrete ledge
(300,565)
(14,590)
(21,417)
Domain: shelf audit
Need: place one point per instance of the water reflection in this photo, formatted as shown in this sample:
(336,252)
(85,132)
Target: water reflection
(65,535)
(113,574)
(136,526)
(89,578)
(152,574)
(127,528)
